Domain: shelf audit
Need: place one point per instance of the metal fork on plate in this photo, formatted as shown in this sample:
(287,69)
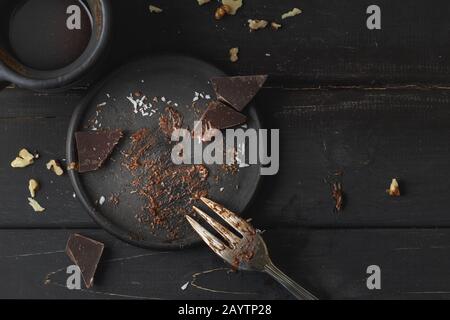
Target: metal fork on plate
(248,252)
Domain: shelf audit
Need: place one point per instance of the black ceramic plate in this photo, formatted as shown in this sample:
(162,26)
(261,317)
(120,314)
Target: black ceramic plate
(176,80)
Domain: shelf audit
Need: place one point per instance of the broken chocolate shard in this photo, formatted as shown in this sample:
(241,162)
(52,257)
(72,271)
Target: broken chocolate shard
(86,254)
(220,116)
(94,147)
(238,91)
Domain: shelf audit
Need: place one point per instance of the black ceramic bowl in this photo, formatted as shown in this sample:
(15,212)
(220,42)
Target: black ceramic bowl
(14,70)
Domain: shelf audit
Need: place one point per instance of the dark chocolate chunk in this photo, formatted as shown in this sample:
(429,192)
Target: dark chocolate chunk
(85,253)
(238,91)
(94,147)
(220,116)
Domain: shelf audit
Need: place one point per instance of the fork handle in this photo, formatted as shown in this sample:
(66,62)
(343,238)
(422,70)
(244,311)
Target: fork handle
(297,291)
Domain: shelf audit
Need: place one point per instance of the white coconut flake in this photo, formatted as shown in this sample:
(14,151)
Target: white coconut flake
(184,286)
(200,95)
(141,106)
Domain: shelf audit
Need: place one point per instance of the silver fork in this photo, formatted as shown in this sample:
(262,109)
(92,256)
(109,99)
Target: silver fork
(248,252)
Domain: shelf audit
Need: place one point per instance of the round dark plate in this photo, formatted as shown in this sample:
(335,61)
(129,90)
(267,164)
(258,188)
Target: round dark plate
(175,79)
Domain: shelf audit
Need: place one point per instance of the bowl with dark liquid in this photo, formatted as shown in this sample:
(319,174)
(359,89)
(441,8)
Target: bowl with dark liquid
(51,44)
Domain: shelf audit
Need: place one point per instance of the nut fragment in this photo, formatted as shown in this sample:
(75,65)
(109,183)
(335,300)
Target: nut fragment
(24,159)
(55,167)
(257,24)
(202,2)
(72,166)
(275,25)
(33,186)
(394,189)
(221,12)
(25,154)
(338,196)
(35,205)
(294,12)
(154,9)
(233,6)
(234,54)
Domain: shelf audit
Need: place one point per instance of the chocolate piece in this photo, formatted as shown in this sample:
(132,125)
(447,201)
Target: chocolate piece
(94,147)
(85,253)
(220,116)
(238,91)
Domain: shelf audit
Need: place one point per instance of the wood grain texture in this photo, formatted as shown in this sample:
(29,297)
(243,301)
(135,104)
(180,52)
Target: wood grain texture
(372,104)
(328,43)
(331,263)
(371,136)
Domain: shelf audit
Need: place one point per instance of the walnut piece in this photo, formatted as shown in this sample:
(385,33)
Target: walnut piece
(35,205)
(257,24)
(202,2)
(294,12)
(233,6)
(394,189)
(72,166)
(55,167)
(24,159)
(33,186)
(275,25)
(234,54)
(154,9)
(221,12)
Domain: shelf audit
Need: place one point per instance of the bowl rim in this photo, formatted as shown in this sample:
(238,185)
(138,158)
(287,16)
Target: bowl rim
(11,70)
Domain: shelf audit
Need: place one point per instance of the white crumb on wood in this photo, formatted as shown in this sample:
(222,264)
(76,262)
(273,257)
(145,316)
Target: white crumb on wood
(257,24)
(154,9)
(202,2)
(184,286)
(233,5)
(294,12)
(234,54)
(35,205)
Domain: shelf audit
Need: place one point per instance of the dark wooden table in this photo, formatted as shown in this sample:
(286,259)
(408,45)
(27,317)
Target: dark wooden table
(372,104)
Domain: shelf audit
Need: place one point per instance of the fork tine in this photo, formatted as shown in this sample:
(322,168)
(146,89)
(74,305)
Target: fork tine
(232,239)
(233,219)
(215,244)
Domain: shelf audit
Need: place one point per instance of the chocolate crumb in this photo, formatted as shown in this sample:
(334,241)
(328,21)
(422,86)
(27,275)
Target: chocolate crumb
(170,121)
(337,195)
(168,191)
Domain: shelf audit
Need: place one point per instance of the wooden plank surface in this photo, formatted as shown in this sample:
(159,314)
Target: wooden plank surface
(328,43)
(331,263)
(371,136)
(371,104)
